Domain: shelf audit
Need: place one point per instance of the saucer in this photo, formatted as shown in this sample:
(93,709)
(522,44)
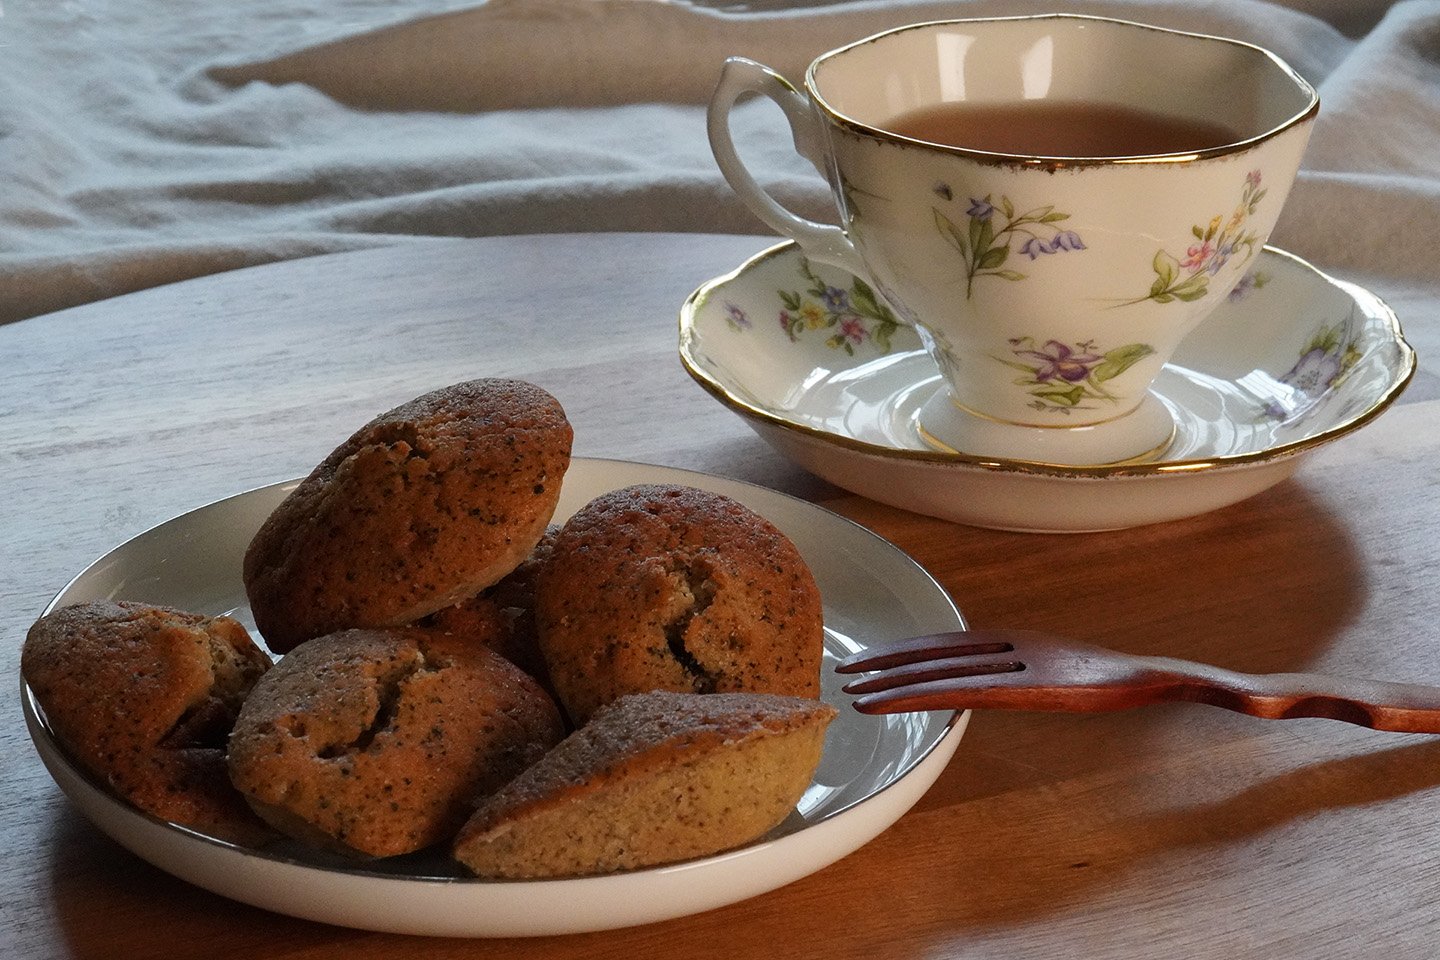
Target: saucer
(824,372)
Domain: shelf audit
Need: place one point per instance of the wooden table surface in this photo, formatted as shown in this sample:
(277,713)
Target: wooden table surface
(1176,832)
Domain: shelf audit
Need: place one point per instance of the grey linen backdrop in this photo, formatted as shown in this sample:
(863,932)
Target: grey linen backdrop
(147,141)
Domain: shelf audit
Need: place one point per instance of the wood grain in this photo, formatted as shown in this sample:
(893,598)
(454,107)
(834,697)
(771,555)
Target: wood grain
(1176,831)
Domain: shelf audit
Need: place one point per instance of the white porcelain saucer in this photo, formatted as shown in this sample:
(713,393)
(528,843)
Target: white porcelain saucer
(818,367)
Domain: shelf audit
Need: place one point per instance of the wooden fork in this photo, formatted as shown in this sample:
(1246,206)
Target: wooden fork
(1026,670)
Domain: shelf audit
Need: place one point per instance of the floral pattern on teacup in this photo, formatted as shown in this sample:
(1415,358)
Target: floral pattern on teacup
(986,241)
(850,317)
(1214,247)
(1324,363)
(1062,376)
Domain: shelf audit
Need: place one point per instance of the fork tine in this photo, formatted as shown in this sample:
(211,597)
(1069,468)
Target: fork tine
(907,700)
(912,674)
(1006,690)
(955,643)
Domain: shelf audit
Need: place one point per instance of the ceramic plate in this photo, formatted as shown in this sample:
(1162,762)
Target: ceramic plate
(1292,360)
(872,769)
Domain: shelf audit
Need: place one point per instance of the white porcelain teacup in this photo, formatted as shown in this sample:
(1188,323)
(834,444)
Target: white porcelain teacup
(1050,279)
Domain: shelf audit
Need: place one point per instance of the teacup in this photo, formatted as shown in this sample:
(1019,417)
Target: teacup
(1053,202)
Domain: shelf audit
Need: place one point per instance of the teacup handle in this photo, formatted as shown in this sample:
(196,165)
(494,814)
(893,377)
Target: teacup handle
(819,241)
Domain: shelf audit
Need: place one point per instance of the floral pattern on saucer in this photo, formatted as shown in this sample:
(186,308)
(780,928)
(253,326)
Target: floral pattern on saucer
(1254,280)
(984,244)
(1062,377)
(849,316)
(1325,361)
(851,418)
(1214,247)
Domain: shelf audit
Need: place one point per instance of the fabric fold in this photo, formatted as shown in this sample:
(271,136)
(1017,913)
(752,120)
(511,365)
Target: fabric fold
(143,143)
(514,54)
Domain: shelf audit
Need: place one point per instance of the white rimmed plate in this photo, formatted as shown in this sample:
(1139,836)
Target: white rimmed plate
(1293,360)
(873,768)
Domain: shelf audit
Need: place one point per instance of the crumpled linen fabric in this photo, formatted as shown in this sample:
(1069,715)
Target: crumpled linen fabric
(143,141)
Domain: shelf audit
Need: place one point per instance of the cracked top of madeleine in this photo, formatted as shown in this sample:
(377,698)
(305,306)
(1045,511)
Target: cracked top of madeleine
(377,742)
(143,697)
(669,587)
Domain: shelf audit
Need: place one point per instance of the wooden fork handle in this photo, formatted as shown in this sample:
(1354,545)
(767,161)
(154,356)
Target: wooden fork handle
(1401,707)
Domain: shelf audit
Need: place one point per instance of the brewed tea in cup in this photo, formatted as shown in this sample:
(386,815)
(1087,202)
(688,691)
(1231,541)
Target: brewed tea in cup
(1052,202)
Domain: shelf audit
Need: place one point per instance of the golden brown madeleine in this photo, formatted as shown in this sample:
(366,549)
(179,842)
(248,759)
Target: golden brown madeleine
(377,742)
(515,596)
(652,778)
(663,587)
(423,507)
(503,617)
(143,697)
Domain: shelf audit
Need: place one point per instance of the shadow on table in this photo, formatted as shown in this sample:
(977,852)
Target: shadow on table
(1059,811)
(1268,585)
(1261,586)
(1093,858)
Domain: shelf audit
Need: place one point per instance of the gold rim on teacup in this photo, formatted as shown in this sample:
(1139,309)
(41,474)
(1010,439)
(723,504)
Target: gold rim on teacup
(873,132)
